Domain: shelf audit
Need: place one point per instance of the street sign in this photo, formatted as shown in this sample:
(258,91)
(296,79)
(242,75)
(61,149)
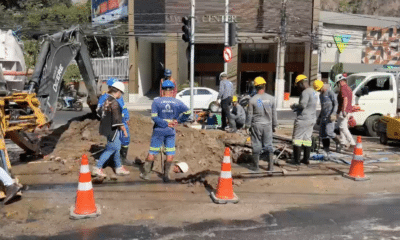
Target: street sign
(228,54)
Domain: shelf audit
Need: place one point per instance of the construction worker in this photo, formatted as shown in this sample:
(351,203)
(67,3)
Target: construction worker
(125,119)
(167,76)
(112,126)
(344,111)
(262,118)
(181,167)
(225,98)
(305,120)
(327,116)
(11,188)
(166,112)
(237,116)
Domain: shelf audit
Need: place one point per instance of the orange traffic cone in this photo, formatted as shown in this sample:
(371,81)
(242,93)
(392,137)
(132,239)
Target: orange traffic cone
(357,164)
(224,192)
(85,206)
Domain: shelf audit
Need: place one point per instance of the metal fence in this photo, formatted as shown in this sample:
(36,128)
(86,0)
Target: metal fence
(117,67)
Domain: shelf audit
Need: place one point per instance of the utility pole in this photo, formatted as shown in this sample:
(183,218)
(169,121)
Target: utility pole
(193,19)
(280,79)
(133,83)
(226,31)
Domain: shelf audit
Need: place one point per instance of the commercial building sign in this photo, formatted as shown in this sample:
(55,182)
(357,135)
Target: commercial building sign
(171,18)
(342,41)
(105,11)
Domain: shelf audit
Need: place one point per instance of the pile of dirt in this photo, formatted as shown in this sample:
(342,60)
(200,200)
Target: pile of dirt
(201,149)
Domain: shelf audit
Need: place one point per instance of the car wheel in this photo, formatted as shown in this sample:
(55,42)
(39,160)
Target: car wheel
(371,125)
(213,107)
(383,138)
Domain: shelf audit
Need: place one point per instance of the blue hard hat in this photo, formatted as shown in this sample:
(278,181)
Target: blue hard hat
(111,81)
(168,84)
(167,73)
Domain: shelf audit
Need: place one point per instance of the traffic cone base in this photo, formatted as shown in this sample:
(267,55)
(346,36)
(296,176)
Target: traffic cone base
(75,216)
(215,199)
(365,178)
(224,193)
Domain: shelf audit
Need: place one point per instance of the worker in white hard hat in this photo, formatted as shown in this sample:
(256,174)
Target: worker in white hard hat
(181,167)
(112,126)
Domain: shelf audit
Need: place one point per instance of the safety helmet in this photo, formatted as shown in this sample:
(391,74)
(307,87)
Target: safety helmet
(234,99)
(119,85)
(167,73)
(300,78)
(183,166)
(223,74)
(318,84)
(111,81)
(339,78)
(167,84)
(259,81)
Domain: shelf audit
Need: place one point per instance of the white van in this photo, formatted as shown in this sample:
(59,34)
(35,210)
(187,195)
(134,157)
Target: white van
(376,93)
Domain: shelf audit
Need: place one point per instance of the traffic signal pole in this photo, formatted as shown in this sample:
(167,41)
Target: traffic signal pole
(192,16)
(226,32)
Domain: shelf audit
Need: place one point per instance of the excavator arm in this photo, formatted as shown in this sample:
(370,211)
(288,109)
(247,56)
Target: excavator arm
(57,52)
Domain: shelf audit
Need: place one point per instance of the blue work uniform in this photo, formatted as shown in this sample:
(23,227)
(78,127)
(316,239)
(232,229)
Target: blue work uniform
(125,117)
(163,111)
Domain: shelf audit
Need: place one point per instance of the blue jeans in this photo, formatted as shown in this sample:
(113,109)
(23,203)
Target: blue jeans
(111,148)
(5,178)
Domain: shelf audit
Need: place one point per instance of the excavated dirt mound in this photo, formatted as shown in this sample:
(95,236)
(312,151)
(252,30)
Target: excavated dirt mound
(200,149)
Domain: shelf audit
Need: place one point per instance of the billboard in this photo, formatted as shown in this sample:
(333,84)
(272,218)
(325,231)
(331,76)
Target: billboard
(105,11)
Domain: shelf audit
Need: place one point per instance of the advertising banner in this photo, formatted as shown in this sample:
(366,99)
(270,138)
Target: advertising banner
(106,11)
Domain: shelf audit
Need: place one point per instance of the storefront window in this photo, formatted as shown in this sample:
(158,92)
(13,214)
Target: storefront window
(256,53)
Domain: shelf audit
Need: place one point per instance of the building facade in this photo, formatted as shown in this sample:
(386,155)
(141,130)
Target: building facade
(373,42)
(157,28)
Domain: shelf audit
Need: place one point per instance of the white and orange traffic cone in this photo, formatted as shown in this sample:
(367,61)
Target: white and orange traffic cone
(224,192)
(85,206)
(357,164)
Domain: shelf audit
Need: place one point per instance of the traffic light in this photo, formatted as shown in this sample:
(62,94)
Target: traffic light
(186,29)
(232,34)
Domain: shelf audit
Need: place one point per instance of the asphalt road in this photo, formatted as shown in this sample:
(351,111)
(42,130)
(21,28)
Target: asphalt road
(373,217)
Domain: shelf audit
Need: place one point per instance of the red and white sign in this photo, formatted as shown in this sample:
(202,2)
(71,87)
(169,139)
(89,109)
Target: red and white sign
(228,54)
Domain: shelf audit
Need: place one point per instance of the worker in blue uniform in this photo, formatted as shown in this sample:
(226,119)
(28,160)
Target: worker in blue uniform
(166,112)
(125,140)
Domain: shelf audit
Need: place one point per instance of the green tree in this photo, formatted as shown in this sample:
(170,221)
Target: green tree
(72,74)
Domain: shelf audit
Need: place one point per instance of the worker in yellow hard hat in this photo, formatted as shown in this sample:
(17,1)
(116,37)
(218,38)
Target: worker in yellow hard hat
(262,118)
(306,118)
(237,117)
(327,116)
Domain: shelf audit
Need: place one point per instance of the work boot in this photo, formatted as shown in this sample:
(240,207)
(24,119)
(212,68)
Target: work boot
(296,155)
(256,162)
(306,157)
(146,169)
(338,145)
(326,142)
(121,171)
(11,192)
(124,156)
(167,170)
(270,158)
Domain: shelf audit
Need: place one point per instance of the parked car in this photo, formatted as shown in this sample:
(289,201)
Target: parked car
(203,97)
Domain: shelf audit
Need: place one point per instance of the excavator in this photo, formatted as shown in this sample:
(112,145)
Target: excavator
(22,111)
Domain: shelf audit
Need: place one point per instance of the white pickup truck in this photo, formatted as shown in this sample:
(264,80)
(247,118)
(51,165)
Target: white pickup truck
(375,94)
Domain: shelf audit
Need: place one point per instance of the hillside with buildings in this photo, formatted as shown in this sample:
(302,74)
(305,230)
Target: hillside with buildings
(388,8)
